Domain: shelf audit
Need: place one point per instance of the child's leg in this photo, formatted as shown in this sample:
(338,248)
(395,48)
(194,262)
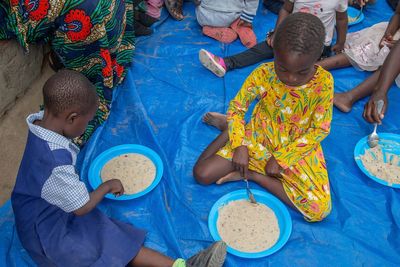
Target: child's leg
(257,53)
(304,186)
(150,258)
(246,34)
(214,256)
(219,66)
(334,62)
(212,62)
(210,167)
(344,101)
(273,5)
(222,34)
(216,119)
(272,184)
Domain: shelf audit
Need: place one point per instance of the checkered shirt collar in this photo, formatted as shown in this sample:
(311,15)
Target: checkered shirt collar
(47,135)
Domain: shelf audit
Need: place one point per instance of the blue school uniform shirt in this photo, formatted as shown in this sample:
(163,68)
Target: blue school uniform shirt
(46,193)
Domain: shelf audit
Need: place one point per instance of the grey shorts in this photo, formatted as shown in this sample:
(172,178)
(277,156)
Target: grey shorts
(208,17)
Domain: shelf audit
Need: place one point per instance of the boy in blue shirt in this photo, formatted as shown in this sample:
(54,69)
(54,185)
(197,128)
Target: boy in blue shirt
(56,217)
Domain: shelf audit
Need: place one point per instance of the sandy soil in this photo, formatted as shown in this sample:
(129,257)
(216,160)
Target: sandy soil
(13,132)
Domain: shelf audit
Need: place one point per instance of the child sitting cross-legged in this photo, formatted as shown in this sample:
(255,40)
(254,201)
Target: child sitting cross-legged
(56,217)
(226,20)
(280,147)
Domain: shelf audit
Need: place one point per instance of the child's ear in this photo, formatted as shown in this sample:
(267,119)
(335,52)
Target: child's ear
(71,117)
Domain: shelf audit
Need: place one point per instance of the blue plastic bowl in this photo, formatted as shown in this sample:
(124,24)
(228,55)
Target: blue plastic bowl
(281,212)
(389,143)
(98,164)
(352,13)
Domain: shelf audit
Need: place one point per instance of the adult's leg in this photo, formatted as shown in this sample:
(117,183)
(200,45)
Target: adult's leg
(334,62)
(150,258)
(257,53)
(344,101)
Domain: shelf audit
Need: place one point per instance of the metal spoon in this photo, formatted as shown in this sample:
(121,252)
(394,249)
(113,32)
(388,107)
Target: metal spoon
(249,193)
(373,138)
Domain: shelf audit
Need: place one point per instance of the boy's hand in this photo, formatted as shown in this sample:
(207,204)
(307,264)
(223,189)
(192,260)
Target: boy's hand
(370,114)
(273,168)
(388,41)
(338,48)
(115,187)
(240,160)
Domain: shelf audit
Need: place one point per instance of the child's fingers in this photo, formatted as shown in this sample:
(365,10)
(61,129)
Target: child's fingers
(366,113)
(376,117)
(242,171)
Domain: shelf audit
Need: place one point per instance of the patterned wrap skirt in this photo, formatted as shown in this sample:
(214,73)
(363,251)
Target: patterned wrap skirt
(93,37)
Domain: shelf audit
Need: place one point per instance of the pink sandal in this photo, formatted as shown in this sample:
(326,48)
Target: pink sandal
(224,35)
(212,62)
(246,34)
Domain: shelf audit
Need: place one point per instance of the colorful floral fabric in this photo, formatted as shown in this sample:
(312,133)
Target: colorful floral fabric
(289,123)
(94,37)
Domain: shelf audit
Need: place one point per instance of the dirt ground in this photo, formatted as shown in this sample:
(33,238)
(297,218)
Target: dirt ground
(13,133)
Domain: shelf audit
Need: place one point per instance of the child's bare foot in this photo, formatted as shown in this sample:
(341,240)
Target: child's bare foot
(230,177)
(343,102)
(216,119)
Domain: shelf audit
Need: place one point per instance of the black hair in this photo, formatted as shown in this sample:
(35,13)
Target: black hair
(67,90)
(301,32)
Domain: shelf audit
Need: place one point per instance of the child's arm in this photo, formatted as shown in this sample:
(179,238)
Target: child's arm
(320,123)
(389,72)
(239,105)
(64,190)
(341,29)
(391,29)
(113,186)
(249,11)
(285,11)
(235,118)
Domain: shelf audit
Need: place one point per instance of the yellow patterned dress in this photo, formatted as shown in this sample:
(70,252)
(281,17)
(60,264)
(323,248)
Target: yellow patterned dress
(289,123)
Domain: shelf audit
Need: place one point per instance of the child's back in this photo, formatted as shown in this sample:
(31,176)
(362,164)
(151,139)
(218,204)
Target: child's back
(56,217)
(48,195)
(35,217)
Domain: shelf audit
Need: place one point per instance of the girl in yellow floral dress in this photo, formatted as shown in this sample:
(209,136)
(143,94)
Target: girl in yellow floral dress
(280,147)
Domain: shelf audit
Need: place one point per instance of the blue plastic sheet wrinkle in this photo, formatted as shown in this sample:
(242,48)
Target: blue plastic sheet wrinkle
(160,105)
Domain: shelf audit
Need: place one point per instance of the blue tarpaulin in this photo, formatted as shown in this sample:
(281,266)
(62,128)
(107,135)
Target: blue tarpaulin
(160,105)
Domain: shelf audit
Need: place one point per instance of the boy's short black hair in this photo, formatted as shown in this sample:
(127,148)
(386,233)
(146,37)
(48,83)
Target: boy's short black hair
(301,32)
(68,89)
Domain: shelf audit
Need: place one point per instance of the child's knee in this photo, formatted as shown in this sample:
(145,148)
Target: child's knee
(201,174)
(318,210)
